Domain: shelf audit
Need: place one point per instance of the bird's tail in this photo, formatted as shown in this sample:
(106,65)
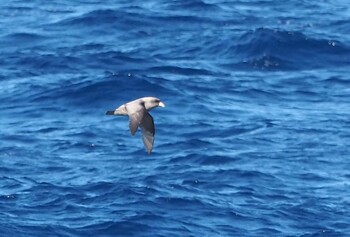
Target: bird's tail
(110,112)
(119,111)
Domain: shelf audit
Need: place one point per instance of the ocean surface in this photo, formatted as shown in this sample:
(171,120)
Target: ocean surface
(254,139)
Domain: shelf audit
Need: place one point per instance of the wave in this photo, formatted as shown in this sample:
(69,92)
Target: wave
(137,21)
(104,92)
(11,42)
(106,19)
(110,228)
(180,70)
(203,159)
(275,49)
(23,36)
(192,5)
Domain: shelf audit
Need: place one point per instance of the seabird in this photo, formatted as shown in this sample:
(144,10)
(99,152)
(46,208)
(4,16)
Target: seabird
(137,110)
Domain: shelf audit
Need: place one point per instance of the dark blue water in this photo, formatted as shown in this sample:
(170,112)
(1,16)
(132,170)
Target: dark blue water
(253,141)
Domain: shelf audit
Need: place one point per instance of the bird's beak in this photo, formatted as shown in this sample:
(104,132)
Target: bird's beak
(161,104)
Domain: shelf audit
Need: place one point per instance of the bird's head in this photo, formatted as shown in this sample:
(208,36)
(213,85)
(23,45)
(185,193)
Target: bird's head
(152,102)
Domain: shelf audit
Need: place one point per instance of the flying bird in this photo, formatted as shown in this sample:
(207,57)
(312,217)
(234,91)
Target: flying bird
(137,110)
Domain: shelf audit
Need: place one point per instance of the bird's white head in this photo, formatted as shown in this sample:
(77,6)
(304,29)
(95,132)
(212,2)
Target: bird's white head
(152,102)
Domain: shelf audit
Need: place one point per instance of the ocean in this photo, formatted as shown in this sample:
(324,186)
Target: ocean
(253,140)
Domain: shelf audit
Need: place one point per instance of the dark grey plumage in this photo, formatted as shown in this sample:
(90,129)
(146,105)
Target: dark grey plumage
(137,110)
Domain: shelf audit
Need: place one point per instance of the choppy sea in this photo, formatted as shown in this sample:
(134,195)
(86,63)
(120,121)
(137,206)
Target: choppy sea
(254,139)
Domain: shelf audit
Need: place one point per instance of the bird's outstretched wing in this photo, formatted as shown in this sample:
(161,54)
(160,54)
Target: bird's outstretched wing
(148,131)
(136,113)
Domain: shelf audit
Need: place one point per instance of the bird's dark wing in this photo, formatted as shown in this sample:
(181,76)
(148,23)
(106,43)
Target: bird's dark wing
(136,113)
(148,131)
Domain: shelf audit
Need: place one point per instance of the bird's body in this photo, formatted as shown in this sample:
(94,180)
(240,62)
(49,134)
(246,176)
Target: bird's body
(137,110)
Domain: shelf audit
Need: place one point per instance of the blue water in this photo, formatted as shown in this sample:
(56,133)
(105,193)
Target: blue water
(254,139)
